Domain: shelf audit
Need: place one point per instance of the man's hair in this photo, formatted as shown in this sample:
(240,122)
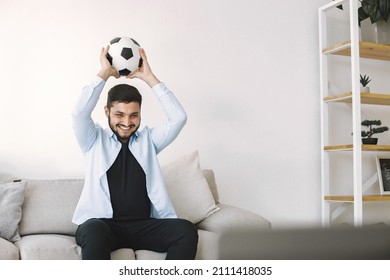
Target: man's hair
(123,93)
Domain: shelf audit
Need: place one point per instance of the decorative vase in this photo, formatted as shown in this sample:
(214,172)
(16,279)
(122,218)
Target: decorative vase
(365,89)
(370,141)
(378,32)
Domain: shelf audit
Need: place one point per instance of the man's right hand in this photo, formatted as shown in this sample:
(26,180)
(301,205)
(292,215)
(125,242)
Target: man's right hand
(107,70)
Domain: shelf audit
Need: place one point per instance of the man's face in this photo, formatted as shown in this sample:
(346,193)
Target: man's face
(124,119)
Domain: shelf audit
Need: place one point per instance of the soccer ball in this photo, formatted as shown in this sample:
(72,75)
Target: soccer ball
(124,55)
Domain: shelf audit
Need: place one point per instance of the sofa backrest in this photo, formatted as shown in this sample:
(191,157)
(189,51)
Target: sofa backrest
(49,204)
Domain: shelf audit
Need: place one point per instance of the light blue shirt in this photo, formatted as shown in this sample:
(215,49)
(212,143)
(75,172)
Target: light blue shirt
(101,147)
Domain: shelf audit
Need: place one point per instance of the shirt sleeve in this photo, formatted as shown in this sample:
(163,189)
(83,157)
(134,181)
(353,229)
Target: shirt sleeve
(83,125)
(176,118)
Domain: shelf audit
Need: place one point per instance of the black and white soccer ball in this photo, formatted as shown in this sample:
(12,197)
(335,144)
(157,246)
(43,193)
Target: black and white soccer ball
(124,55)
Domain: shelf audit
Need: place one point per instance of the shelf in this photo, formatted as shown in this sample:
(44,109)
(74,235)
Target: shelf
(349,147)
(354,52)
(367,50)
(365,98)
(349,198)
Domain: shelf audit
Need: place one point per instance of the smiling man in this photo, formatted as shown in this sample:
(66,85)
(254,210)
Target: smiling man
(124,202)
(123,111)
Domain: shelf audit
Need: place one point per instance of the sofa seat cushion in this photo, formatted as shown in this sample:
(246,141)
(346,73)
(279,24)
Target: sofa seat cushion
(8,251)
(48,247)
(59,247)
(149,255)
(123,254)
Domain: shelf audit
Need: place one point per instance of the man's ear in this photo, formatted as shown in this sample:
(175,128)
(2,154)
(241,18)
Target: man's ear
(107,111)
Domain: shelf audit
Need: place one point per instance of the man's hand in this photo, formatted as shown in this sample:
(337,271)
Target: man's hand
(107,70)
(144,72)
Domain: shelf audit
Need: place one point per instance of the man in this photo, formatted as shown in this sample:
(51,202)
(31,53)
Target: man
(124,202)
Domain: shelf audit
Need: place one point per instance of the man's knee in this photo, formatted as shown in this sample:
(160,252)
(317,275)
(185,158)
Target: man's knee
(184,240)
(187,230)
(92,230)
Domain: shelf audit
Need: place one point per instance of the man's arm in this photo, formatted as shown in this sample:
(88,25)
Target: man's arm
(83,125)
(166,132)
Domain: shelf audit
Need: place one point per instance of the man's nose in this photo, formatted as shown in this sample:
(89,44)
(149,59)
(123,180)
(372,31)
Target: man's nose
(127,120)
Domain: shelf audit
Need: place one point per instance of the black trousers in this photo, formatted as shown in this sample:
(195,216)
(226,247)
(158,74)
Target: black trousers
(99,237)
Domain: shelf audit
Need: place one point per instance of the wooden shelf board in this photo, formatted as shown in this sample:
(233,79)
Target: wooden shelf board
(383,148)
(367,50)
(365,98)
(349,198)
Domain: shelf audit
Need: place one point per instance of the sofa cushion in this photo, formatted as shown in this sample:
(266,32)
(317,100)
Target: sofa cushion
(59,247)
(48,247)
(188,188)
(7,177)
(49,206)
(123,254)
(11,201)
(8,251)
(149,255)
(210,178)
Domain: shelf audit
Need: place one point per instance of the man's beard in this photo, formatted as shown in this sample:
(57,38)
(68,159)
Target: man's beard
(120,138)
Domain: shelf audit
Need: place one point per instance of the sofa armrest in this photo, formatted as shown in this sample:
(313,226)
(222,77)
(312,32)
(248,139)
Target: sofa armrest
(233,218)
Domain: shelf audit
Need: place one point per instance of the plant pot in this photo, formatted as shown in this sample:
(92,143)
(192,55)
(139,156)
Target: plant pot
(370,141)
(365,89)
(378,32)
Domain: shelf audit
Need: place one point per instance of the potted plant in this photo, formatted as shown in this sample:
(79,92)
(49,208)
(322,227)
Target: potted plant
(376,10)
(379,12)
(374,127)
(377,29)
(364,81)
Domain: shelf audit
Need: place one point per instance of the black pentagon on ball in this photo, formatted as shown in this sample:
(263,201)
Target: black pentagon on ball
(135,42)
(115,40)
(124,72)
(127,53)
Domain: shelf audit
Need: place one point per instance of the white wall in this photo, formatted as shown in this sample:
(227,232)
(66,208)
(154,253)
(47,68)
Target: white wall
(246,71)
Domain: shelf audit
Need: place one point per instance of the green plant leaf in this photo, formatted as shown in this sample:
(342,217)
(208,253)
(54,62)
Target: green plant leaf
(375,16)
(379,129)
(362,15)
(365,80)
(371,122)
(384,9)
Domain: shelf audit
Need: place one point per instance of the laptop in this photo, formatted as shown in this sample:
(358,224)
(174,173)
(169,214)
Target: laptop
(365,243)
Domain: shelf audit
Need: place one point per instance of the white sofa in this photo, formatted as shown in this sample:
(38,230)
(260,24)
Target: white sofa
(46,230)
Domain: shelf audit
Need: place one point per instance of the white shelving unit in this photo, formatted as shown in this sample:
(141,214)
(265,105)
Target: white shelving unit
(356,50)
